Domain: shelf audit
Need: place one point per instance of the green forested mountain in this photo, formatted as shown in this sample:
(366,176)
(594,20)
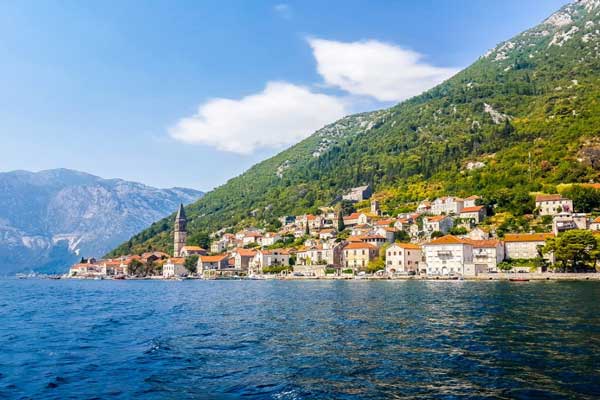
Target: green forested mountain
(524,117)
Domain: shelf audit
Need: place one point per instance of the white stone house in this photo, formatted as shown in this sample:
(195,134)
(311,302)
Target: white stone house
(487,254)
(441,223)
(388,233)
(269,239)
(551,204)
(269,258)
(449,255)
(447,205)
(595,225)
(212,263)
(402,258)
(566,221)
(474,213)
(359,193)
(525,245)
(471,201)
(174,267)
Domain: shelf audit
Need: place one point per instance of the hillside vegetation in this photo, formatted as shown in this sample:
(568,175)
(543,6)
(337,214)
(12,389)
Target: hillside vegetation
(527,114)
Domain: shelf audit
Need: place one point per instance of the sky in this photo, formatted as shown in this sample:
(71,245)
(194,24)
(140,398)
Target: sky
(192,93)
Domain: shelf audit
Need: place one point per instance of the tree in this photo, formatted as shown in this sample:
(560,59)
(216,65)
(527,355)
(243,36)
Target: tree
(191,263)
(575,250)
(436,234)
(307,229)
(375,265)
(135,267)
(340,222)
(199,239)
(585,199)
(401,236)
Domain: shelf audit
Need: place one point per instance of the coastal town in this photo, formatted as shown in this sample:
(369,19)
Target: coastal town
(444,238)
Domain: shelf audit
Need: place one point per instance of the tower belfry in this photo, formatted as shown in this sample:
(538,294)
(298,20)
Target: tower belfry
(179,232)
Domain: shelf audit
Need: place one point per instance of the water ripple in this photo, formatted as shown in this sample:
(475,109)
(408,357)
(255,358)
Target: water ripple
(298,340)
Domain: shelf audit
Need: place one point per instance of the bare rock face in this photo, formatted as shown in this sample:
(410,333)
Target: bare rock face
(589,154)
(51,218)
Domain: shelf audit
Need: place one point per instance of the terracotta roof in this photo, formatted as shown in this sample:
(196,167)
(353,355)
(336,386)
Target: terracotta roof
(253,234)
(177,260)
(548,197)
(352,216)
(217,258)
(474,197)
(597,220)
(359,245)
(326,231)
(471,209)
(354,239)
(527,237)
(311,217)
(385,222)
(448,239)
(245,252)
(484,243)
(193,248)
(411,246)
(436,218)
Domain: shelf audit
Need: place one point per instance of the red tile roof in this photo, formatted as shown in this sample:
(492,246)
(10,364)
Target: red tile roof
(527,237)
(548,197)
(448,239)
(359,245)
(471,209)
(410,246)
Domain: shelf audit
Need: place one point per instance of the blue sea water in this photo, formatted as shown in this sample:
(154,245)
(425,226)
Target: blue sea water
(298,340)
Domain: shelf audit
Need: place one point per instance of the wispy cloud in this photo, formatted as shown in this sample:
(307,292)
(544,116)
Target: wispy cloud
(280,115)
(384,71)
(284,10)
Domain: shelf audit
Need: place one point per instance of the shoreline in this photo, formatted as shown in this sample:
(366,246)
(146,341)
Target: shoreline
(518,277)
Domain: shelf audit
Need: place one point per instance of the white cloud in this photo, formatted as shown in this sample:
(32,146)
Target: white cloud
(280,115)
(284,10)
(372,68)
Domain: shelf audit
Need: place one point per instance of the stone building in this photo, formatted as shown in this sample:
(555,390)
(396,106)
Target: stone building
(180,232)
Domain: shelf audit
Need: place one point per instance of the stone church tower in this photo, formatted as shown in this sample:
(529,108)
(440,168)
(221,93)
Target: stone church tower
(180,232)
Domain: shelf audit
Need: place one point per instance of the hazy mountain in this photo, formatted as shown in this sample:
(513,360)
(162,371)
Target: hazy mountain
(50,218)
(524,117)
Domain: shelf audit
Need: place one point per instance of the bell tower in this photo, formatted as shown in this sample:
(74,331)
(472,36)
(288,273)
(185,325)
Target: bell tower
(180,232)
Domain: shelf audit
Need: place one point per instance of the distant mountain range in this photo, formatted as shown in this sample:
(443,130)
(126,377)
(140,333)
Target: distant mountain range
(524,117)
(50,219)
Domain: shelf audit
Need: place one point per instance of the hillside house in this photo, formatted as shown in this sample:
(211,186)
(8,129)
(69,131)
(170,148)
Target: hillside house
(552,204)
(447,206)
(471,201)
(566,221)
(437,223)
(475,214)
(357,194)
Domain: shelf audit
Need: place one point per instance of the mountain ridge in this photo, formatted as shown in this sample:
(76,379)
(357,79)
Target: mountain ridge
(50,218)
(527,110)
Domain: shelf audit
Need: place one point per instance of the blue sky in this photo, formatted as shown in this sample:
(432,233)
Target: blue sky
(192,93)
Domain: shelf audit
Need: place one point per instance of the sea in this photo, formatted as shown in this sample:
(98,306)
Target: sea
(76,339)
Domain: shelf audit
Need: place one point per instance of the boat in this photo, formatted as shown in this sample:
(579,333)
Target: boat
(518,279)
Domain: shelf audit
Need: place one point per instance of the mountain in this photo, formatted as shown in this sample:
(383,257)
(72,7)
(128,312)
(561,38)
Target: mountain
(524,117)
(51,218)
